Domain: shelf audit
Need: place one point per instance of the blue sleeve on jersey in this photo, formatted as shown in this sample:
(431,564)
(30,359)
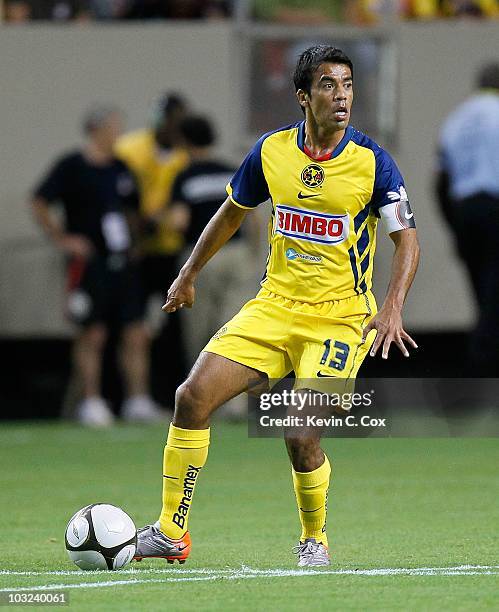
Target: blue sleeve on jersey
(388,181)
(248,185)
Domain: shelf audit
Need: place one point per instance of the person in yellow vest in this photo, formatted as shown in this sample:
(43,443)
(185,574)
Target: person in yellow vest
(155,157)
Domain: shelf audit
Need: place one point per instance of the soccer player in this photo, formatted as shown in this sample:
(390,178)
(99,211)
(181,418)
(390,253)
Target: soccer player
(315,313)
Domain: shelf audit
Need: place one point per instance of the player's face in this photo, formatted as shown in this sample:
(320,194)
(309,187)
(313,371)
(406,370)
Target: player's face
(331,96)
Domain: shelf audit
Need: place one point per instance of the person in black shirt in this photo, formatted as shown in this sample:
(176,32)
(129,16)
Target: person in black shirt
(99,197)
(229,279)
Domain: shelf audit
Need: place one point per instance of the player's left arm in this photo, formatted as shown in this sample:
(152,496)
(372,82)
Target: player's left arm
(388,321)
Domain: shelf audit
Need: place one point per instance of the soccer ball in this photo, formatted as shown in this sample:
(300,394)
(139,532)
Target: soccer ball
(101,536)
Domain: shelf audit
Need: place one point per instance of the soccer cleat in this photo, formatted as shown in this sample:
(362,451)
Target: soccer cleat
(154,544)
(311,554)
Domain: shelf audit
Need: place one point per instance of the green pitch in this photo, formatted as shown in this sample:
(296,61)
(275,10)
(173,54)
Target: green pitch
(413,510)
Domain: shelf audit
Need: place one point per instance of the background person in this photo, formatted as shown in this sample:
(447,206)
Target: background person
(468,192)
(229,279)
(155,156)
(99,197)
(178,9)
(61,11)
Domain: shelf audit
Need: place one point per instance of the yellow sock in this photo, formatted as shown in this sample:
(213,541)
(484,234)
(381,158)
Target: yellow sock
(185,454)
(311,496)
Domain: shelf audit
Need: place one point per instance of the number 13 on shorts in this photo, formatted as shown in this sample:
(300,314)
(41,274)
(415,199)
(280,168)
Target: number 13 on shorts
(335,354)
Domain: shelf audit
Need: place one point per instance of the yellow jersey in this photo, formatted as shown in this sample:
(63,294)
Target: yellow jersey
(324,212)
(155,172)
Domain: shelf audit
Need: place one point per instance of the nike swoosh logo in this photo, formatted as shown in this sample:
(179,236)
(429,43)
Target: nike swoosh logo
(171,477)
(153,546)
(310,510)
(320,375)
(408,216)
(302,196)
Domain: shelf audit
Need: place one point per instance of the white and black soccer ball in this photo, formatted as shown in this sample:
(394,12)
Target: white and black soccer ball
(101,537)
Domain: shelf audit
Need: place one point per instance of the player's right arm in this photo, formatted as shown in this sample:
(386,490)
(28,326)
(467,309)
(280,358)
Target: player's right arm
(247,189)
(222,226)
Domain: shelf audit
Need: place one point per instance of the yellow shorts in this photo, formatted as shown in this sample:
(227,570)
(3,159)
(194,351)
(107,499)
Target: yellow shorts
(276,335)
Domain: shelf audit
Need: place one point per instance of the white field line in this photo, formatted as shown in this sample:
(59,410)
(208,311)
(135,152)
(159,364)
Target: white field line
(133,571)
(248,573)
(243,569)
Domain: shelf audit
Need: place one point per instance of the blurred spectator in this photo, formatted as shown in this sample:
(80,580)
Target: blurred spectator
(468,191)
(467,8)
(297,12)
(155,157)
(382,10)
(433,9)
(422,9)
(313,12)
(355,12)
(100,202)
(18,11)
(109,9)
(229,279)
(177,9)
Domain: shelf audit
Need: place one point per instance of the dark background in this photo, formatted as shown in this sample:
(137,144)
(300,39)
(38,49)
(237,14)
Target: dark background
(35,373)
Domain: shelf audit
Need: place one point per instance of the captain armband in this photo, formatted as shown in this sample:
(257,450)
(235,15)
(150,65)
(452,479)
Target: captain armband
(397,216)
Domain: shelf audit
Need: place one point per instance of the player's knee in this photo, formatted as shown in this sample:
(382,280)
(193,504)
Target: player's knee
(191,409)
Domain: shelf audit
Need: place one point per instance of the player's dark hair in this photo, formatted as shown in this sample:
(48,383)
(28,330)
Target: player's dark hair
(197,131)
(488,77)
(311,59)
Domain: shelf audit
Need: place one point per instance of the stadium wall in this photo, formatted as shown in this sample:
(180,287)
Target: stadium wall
(49,74)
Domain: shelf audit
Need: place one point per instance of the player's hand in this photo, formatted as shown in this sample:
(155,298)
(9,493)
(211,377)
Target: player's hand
(389,328)
(76,245)
(180,295)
